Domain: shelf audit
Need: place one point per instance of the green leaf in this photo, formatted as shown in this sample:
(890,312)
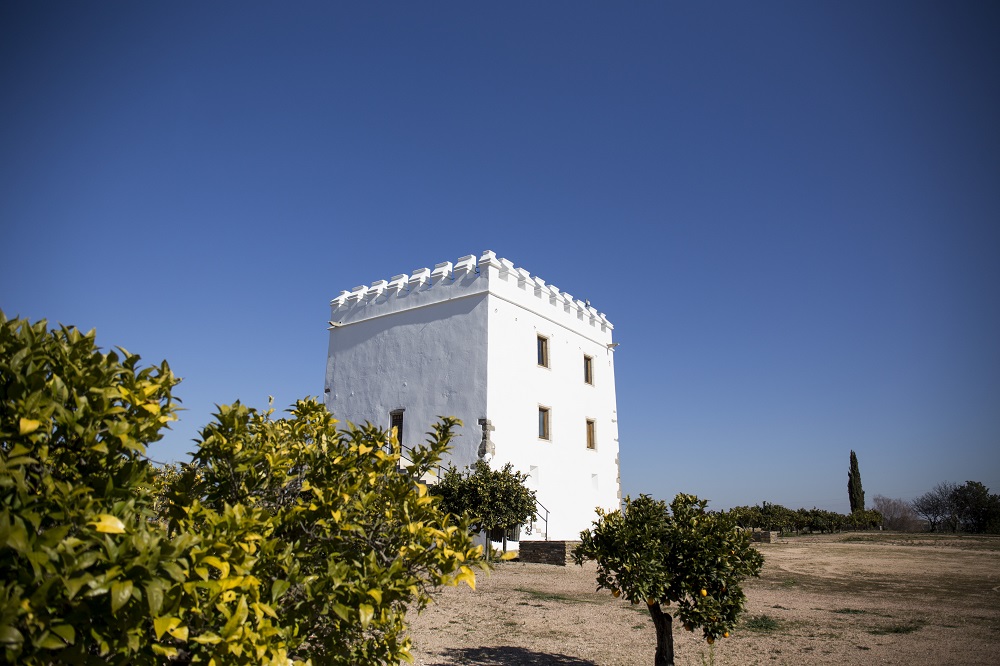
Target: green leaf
(366,612)
(16,537)
(28,426)
(242,610)
(121,592)
(108,524)
(174,570)
(278,588)
(154,596)
(66,632)
(10,635)
(180,633)
(223,567)
(50,641)
(168,652)
(342,611)
(165,624)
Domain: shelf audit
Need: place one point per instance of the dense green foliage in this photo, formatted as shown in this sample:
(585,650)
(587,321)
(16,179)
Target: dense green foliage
(854,491)
(769,516)
(682,554)
(968,507)
(283,541)
(491,498)
(83,568)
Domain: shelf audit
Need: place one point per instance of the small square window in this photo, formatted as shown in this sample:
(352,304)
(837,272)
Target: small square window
(588,369)
(543,351)
(544,431)
(591,434)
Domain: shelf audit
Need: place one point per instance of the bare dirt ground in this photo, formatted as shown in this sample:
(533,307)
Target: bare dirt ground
(834,599)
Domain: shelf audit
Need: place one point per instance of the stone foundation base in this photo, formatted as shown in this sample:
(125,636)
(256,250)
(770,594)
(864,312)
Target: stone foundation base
(559,553)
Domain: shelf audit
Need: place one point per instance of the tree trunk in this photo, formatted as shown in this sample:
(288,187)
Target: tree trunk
(664,636)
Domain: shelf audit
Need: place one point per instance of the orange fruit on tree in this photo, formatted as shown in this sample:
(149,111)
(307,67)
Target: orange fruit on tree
(704,592)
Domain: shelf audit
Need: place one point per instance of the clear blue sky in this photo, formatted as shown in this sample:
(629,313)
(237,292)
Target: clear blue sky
(790,211)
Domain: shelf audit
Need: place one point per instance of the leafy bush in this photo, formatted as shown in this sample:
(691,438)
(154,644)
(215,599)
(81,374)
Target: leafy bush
(348,542)
(283,540)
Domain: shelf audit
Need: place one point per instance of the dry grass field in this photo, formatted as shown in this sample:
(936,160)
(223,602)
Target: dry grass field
(861,598)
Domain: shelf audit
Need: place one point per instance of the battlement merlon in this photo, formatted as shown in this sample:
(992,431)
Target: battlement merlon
(467,277)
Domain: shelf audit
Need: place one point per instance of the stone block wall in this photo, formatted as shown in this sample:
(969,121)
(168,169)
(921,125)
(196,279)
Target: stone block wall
(559,553)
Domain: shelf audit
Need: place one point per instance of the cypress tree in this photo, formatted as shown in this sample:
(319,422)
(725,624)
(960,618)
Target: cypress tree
(854,490)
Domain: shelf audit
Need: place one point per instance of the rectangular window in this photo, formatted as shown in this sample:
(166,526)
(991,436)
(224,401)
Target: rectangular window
(543,351)
(544,431)
(591,434)
(396,424)
(588,369)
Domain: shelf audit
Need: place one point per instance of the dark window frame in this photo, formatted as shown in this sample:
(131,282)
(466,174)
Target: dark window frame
(543,351)
(396,421)
(545,423)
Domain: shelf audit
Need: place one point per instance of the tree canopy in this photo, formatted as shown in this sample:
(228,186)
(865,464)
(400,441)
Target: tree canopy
(682,554)
(491,499)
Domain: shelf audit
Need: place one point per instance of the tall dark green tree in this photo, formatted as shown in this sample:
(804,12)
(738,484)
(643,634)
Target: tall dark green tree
(854,490)
(976,510)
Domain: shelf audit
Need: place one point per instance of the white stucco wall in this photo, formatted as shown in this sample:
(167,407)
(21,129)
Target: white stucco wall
(423,351)
(570,479)
(461,340)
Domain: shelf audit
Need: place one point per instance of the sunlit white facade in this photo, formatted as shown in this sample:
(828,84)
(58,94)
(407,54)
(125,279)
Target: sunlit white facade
(526,367)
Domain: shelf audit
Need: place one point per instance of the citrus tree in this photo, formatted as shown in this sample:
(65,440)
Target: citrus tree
(679,560)
(491,499)
(84,571)
(283,541)
(348,540)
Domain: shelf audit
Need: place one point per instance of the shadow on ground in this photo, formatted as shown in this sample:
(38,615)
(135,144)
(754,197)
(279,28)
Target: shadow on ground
(508,656)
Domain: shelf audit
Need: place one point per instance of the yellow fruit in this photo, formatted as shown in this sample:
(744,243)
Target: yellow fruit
(711,640)
(704,592)
(616,593)
(725,634)
(651,601)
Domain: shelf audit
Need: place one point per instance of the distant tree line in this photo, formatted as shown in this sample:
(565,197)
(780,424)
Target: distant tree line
(769,516)
(950,507)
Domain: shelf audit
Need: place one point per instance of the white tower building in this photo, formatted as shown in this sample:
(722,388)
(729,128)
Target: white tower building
(528,369)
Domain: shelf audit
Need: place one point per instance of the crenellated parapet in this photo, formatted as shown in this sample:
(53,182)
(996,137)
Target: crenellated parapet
(468,275)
